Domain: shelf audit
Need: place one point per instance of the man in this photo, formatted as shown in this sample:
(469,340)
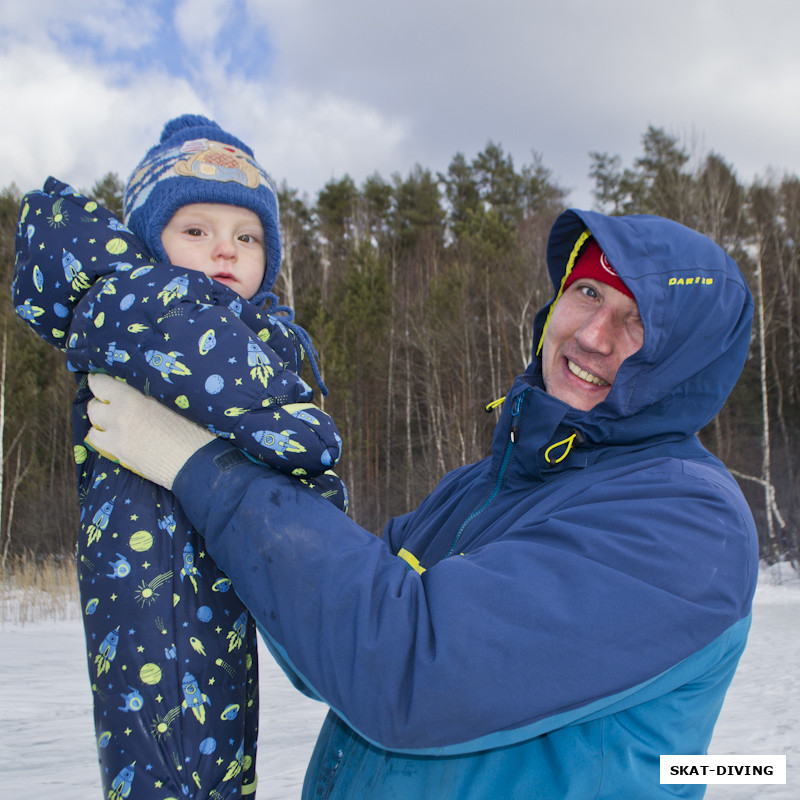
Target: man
(552,619)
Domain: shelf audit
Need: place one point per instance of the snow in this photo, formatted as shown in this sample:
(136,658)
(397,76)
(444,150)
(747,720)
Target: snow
(47,745)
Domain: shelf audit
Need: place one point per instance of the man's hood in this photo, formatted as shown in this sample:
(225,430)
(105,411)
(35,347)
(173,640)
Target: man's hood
(697,313)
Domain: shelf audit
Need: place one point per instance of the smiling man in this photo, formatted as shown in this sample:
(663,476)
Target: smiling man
(551,619)
(594,327)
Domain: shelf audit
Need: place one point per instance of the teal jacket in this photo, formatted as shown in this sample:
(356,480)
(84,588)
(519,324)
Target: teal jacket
(551,619)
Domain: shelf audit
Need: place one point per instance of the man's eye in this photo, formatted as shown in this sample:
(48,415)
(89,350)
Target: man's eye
(589,291)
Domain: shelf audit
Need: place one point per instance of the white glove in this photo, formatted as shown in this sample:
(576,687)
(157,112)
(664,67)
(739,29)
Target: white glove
(139,433)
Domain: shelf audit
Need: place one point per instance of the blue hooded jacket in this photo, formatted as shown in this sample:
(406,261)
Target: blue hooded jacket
(551,619)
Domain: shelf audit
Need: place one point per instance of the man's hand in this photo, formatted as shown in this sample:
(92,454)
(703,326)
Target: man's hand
(140,433)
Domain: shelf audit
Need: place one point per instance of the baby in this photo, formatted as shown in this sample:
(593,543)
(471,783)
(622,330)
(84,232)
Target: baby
(178,303)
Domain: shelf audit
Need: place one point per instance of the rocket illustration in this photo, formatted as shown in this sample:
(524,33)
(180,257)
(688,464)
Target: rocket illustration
(193,698)
(236,636)
(113,353)
(100,521)
(115,225)
(239,763)
(29,312)
(166,363)
(122,784)
(73,271)
(176,288)
(189,570)
(259,363)
(107,651)
(299,412)
(256,357)
(279,442)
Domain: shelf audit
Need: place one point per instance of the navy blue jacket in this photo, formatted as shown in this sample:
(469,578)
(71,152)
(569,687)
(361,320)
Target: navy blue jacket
(551,619)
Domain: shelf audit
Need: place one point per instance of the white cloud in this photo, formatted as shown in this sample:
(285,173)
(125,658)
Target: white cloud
(309,139)
(111,25)
(352,87)
(68,121)
(199,21)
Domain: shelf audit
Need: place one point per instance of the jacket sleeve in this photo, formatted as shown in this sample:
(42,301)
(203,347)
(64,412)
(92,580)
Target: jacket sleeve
(83,281)
(180,337)
(60,234)
(526,634)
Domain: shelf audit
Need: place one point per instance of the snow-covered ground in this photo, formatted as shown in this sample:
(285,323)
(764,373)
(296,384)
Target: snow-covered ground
(47,749)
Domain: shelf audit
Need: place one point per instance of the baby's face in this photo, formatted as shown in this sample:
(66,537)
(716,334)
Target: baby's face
(224,242)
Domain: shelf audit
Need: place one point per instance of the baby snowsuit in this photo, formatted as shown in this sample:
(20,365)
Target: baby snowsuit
(171,649)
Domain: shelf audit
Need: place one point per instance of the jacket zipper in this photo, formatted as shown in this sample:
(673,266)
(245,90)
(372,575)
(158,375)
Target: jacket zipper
(519,400)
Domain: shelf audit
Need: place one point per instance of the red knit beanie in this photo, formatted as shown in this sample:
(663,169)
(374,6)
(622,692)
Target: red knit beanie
(593,263)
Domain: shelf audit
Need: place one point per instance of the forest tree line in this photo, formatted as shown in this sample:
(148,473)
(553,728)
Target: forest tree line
(419,293)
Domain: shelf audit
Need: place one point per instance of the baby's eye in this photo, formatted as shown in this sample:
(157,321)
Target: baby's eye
(194,231)
(248,237)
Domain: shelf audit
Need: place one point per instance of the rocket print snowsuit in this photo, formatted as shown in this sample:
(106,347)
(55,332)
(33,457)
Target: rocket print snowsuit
(171,649)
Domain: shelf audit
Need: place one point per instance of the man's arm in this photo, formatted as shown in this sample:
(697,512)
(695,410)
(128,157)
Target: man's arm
(558,618)
(520,637)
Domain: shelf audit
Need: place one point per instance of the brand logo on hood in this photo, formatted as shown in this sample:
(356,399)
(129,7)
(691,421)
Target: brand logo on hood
(691,281)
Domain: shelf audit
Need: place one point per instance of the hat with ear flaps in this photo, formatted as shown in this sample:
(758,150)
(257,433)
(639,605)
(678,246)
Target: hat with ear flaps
(196,161)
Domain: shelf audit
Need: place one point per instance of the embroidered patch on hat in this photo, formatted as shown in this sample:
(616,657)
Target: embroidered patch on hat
(217,162)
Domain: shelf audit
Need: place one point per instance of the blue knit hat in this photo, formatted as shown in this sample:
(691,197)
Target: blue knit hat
(197,162)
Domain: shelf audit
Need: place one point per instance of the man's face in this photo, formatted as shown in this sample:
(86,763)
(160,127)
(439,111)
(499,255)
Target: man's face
(592,330)
(224,242)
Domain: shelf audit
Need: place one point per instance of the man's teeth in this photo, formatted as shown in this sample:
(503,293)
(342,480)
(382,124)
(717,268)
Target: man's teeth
(584,375)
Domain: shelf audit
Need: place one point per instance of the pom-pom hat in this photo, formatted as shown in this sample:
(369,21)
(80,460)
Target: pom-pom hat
(198,162)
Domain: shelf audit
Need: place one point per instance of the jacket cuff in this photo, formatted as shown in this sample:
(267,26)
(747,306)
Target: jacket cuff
(197,480)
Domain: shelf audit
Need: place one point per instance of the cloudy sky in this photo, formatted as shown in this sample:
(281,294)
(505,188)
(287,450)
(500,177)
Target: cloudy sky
(324,88)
